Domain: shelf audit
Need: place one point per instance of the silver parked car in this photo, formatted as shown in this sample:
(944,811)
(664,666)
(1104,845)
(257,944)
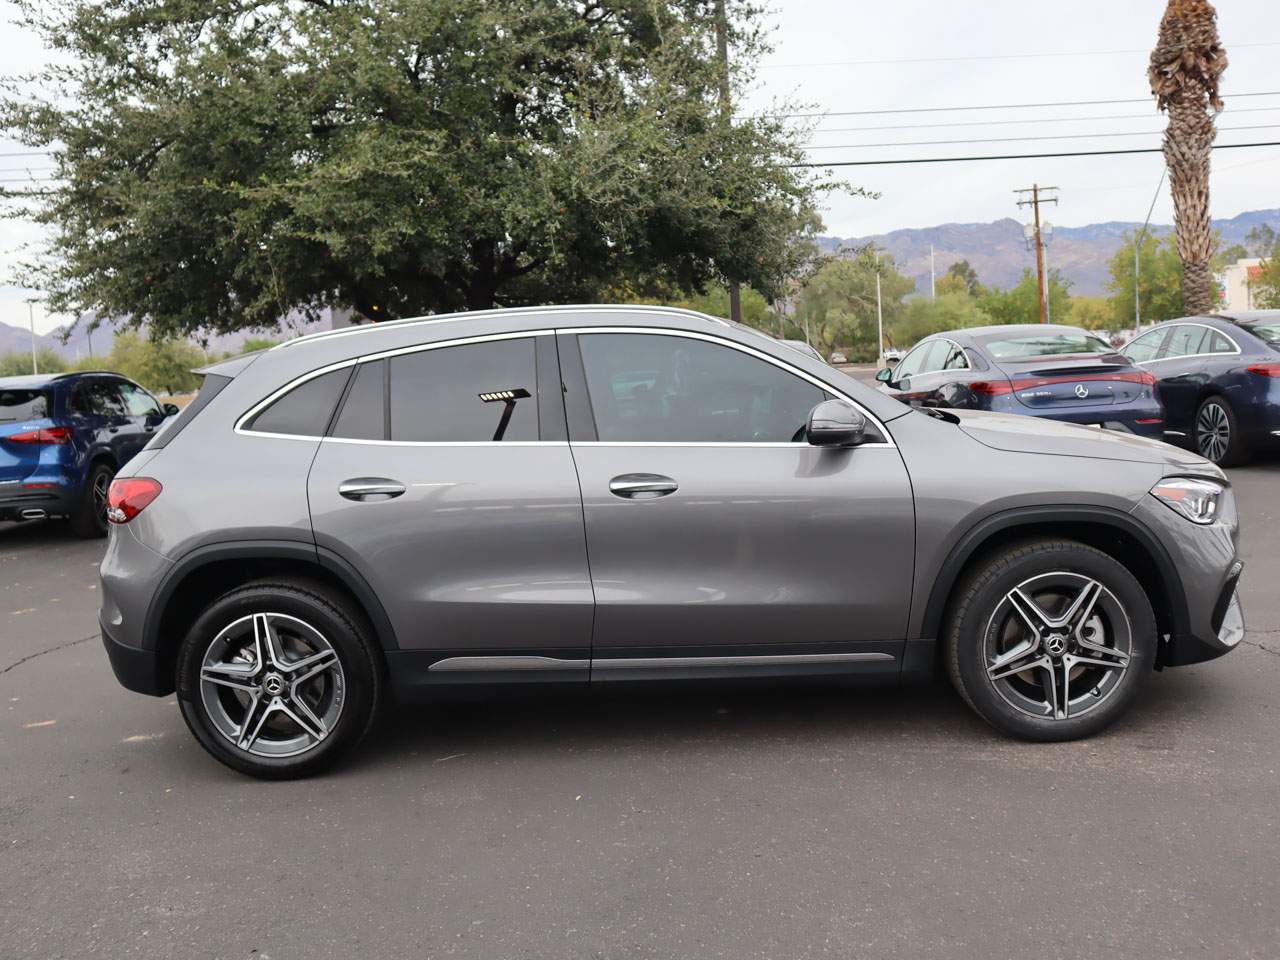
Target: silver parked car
(592,494)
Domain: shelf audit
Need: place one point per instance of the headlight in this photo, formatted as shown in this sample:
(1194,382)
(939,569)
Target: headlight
(1197,500)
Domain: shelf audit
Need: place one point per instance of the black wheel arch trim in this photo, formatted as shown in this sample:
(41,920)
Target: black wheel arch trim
(972,541)
(384,633)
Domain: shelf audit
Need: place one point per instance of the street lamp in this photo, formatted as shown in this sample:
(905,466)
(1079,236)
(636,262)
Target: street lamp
(31,319)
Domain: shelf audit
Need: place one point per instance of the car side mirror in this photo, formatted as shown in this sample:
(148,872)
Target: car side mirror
(835,423)
(171,410)
(885,375)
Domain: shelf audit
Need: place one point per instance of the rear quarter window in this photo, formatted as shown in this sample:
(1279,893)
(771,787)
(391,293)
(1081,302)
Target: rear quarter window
(306,409)
(19,405)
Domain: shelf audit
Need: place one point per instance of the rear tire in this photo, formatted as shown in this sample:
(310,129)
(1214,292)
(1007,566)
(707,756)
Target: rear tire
(89,521)
(278,679)
(1065,665)
(1217,434)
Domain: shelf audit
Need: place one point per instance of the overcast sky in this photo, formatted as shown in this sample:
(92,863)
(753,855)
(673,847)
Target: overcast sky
(1084,50)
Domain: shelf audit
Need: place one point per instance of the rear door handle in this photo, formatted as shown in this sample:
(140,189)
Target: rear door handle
(642,486)
(370,488)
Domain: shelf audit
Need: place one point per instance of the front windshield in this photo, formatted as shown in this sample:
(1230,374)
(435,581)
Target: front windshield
(1044,345)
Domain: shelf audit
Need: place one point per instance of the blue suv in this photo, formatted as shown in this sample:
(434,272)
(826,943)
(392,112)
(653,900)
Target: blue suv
(62,439)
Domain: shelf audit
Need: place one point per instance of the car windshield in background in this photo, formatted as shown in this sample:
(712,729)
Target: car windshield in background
(1269,332)
(1044,345)
(22,405)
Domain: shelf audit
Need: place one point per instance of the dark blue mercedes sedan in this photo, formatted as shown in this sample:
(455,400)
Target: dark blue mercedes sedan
(1041,370)
(1219,380)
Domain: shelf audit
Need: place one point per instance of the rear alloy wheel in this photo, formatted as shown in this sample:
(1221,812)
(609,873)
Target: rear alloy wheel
(276,680)
(90,518)
(1051,640)
(1217,434)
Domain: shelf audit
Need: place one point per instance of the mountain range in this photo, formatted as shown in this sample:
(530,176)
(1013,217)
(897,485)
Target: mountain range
(998,252)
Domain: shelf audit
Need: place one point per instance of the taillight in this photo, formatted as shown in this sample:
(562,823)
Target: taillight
(44,436)
(990,388)
(129,496)
(1266,369)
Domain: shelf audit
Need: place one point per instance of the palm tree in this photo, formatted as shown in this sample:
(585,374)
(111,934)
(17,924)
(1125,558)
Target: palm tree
(1186,65)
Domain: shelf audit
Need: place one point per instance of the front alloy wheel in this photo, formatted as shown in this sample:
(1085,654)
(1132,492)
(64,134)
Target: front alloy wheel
(1050,639)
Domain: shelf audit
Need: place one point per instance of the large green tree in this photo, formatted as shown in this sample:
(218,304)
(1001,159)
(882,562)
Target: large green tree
(220,164)
(1021,302)
(837,304)
(1159,282)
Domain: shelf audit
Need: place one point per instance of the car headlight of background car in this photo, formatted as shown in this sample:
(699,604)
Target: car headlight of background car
(1195,499)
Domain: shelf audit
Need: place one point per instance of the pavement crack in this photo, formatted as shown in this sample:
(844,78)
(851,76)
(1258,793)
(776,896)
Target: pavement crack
(1262,647)
(41,653)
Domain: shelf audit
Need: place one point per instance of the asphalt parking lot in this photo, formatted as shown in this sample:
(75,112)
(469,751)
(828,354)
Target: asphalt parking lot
(785,823)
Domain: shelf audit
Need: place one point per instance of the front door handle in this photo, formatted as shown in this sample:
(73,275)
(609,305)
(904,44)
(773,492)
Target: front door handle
(370,488)
(642,486)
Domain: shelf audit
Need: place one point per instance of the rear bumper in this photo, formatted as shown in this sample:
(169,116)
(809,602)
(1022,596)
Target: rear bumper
(54,502)
(142,671)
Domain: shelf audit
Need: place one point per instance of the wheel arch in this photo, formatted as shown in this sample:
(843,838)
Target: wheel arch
(208,572)
(1117,534)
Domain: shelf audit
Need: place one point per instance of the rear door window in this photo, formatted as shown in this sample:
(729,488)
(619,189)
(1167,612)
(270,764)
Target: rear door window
(1146,347)
(925,358)
(1184,341)
(98,397)
(363,415)
(19,405)
(470,393)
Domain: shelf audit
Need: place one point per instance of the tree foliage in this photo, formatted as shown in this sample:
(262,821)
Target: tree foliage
(18,363)
(1159,282)
(220,165)
(1021,302)
(837,305)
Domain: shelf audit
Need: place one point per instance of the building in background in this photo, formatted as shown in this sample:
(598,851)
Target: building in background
(1238,284)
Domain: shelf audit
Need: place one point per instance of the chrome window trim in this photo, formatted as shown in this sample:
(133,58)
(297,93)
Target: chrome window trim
(963,353)
(1186,356)
(517,335)
(750,351)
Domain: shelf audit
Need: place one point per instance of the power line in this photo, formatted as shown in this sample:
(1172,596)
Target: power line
(1023,120)
(989,56)
(1019,156)
(997,106)
(1060,136)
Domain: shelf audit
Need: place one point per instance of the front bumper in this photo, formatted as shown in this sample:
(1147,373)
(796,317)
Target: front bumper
(142,671)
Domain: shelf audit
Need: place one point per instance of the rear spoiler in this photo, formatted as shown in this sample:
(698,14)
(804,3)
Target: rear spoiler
(231,367)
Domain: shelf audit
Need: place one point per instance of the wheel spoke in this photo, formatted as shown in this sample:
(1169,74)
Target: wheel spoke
(234,675)
(301,714)
(1082,607)
(255,715)
(308,667)
(1094,662)
(1049,682)
(1020,658)
(1030,612)
(1098,650)
(268,641)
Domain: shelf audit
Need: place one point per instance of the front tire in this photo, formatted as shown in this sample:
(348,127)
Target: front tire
(1050,640)
(278,679)
(1217,434)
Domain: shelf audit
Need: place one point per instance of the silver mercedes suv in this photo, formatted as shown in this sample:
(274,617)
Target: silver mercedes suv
(579,495)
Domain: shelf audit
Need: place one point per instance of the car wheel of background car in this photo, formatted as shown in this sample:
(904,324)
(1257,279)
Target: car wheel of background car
(277,679)
(1217,435)
(90,517)
(1050,640)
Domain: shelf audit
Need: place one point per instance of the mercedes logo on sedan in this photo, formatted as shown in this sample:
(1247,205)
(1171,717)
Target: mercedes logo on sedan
(1082,391)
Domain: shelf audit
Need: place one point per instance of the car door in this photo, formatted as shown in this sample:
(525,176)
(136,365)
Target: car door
(446,481)
(720,541)
(145,416)
(1181,374)
(101,416)
(920,375)
(1143,351)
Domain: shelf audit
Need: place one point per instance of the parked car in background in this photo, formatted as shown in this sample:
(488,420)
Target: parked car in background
(838,357)
(893,354)
(1219,380)
(1058,372)
(62,439)
(804,348)
(391,510)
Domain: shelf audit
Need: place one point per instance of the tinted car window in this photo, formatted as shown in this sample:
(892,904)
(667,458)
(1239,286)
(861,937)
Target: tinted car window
(665,389)
(1146,346)
(1218,343)
(1270,332)
(923,359)
(1045,345)
(305,410)
(363,415)
(956,359)
(1184,341)
(138,401)
(18,405)
(466,394)
(98,397)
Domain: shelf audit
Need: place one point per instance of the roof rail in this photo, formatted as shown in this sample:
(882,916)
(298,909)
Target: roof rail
(503,311)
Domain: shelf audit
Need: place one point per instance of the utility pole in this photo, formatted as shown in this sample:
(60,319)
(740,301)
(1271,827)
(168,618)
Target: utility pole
(31,318)
(933,286)
(1138,241)
(1036,199)
(879,309)
(726,114)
